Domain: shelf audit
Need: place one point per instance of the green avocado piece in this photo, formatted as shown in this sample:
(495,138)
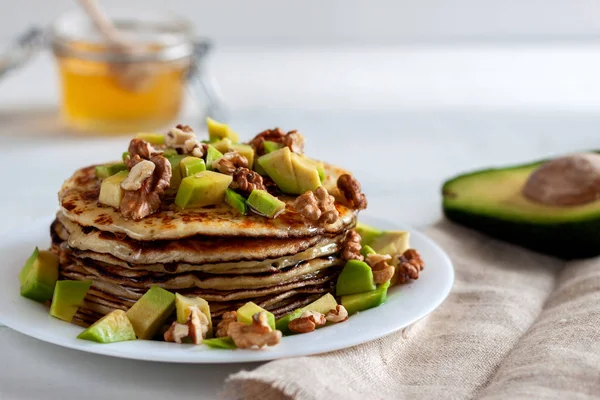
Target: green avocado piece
(182,304)
(366,250)
(272,146)
(491,201)
(363,301)
(203,189)
(356,277)
(106,170)
(291,172)
(212,155)
(110,189)
(219,130)
(225,145)
(39,275)
(383,242)
(113,327)
(191,165)
(236,201)
(152,138)
(265,204)
(220,343)
(322,305)
(321,172)
(68,297)
(367,233)
(170,153)
(247,311)
(176,173)
(124,155)
(151,311)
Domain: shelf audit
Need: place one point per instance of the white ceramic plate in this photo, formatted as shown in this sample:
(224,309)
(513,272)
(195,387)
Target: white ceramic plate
(32,319)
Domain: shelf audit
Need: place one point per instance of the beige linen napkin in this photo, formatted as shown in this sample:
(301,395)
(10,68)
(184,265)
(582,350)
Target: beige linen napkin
(516,325)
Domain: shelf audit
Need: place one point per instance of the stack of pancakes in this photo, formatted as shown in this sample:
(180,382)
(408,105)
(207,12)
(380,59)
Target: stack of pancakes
(213,252)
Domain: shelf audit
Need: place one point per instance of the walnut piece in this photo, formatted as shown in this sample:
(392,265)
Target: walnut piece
(410,264)
(258,334)
(247,180)
(307,322)
(351,246)
(137,204)
(195,148)
(382,271)
(317,206)
(139,150)
(293,139)
(350,188)
(196,328)
(338,314)
(230,162)
(138,174)
(223,326)
(177,136)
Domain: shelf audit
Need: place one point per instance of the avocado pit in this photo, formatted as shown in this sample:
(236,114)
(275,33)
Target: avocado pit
(567,181)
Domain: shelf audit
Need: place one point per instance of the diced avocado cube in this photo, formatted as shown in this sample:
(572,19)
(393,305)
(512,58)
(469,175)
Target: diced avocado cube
(170,153)
(258,169)
(363,301)
(245,150)
(68,297)
(220,343)
(39,275)
(182,305)
(272,146)
(367,233)
(356,277)
(124,155)
(391,242)
(212,155)
(113,327)
(247,311)
(223,145)
(291,172)
(236,201)
(151,311)
(203,189)
(191,166)
(152,138)
(321,172)
(322,305)
(218,130)
(366,250)
(265,204)
(106,170)
(110,190)
(176,174)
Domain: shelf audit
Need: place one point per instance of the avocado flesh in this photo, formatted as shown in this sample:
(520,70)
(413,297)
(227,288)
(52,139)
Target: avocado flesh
(203,189)
(236,201)
(68,297)
(271,146)
(151,311)
(106,170)
(191,165)
(113,327)
(176,173)
(218,130)
(356,277)
(212,155)
(245,150)
(491,201)
(363,301)
(366,250)
(265,204)
(367,233)
(38,278)
(291,172)
(152,138)
(220,343)
(383,242)
(247,311)
(322,305)
(110,189)
(183,304)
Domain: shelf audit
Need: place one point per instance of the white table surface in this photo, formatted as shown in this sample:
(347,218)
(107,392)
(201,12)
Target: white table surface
(403,119)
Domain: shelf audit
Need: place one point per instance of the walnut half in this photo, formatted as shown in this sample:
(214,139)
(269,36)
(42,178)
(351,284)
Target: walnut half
(382,271)
(223,326)
(230,162)
(307,322)
(318,206)
(351,190)
(258,334)
(410,264)
(351,246)
(196,328)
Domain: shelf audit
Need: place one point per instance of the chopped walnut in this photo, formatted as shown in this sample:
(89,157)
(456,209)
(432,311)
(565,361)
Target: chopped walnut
(338,314)
(196,328)
(137,204)
(410,264)
(176,137)
(351,246)
(139,150)
(138,174)
(258,334)
(307,322)
(247,180)
(230,162)
(195,148)
(223,326)
(350,188)
(293,139)
(317,206)
(382,271)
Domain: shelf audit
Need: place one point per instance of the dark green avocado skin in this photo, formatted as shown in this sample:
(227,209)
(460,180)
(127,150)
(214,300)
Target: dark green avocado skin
(575,240)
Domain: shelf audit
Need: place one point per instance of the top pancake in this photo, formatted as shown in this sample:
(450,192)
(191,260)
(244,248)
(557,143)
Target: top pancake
(78,199)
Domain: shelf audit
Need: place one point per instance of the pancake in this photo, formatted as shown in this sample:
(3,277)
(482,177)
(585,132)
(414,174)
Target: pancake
(78,199)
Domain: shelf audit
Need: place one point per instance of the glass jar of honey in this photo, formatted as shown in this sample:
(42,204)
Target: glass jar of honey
(111,89)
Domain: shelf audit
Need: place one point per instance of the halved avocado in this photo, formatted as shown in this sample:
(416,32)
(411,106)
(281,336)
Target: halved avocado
(491,201)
